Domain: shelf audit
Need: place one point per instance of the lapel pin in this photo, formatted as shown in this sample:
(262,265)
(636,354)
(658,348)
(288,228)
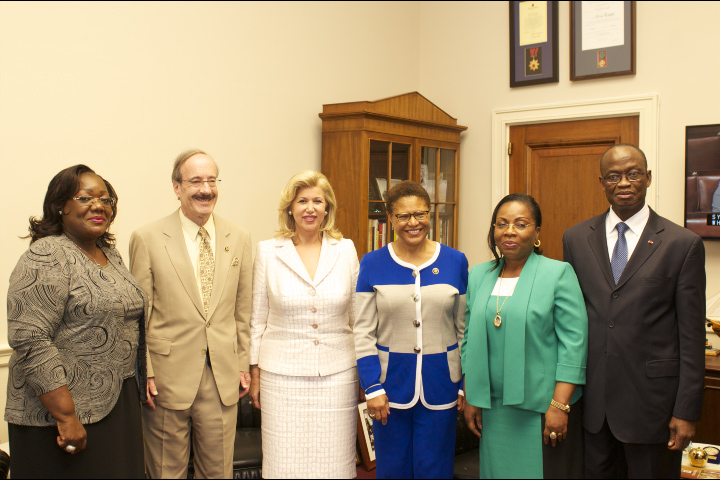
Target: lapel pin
(650,242)
(235,262)
(436,271)
(227,249)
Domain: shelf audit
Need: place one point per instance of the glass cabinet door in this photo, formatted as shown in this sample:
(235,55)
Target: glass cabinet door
(438,177)
(389,165)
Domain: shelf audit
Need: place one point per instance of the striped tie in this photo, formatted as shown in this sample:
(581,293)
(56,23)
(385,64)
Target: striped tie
(620,252)
(207,268)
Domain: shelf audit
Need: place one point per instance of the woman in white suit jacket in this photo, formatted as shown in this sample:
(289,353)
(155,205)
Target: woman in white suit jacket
(302,352)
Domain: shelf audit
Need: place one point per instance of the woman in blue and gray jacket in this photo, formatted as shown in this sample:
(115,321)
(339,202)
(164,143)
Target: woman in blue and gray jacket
(410,318)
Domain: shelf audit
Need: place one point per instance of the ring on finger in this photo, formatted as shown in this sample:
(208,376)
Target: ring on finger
(553,435)
(70,448)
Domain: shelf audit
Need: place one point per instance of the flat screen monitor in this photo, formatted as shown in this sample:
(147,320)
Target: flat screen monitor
(702,180)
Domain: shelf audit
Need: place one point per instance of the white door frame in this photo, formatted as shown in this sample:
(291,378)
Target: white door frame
(646,106)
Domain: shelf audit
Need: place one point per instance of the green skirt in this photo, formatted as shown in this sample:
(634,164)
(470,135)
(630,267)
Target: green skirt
(512,446)
(511,443)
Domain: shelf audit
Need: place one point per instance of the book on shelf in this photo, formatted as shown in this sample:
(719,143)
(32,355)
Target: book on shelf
(376,226)
(377,234)
(444,226)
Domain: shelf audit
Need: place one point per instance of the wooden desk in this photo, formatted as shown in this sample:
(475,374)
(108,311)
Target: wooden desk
(709,427)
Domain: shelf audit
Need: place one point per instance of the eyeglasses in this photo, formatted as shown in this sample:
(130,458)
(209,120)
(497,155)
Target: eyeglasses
(519,227)
(405,217)
(614,178)
(88,201)
(198,183)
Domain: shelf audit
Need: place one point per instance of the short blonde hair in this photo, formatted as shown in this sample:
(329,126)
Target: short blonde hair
(304,179)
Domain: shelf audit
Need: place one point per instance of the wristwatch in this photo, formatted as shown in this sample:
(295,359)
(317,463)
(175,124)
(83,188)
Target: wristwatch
(556,404)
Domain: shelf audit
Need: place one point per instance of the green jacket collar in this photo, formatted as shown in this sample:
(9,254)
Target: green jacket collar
(514,319)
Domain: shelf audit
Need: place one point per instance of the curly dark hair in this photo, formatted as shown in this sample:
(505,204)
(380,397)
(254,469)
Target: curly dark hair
(61,189)
(534,211)
(406,188)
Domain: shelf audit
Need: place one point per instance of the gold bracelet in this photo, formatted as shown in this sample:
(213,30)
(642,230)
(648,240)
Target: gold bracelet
(368,388)
(556,404)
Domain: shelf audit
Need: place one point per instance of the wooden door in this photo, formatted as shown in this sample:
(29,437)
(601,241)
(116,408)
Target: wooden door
(559,164)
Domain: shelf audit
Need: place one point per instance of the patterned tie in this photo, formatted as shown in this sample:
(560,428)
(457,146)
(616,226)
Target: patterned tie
(207,268)
(620,252)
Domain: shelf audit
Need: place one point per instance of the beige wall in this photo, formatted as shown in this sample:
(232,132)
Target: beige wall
(123,87)
(464,59)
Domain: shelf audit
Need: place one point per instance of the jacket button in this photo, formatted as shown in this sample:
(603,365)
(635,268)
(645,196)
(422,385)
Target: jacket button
(207,325)
(615,295)
(312,292)
(315,325)
(203,352)
(313,309)
(416,297)
(414,274)
(611,324)
(416,349)
(317,342)
(416,323)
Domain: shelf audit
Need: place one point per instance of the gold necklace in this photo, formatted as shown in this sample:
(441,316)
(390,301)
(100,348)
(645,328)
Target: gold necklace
(498,319)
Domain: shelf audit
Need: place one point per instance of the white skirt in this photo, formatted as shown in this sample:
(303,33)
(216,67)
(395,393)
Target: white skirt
(309,425)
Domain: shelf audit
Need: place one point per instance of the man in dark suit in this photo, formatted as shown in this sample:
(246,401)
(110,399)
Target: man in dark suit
(643,279)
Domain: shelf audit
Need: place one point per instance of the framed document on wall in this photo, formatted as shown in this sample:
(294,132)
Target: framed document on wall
(533,43)
(602,39)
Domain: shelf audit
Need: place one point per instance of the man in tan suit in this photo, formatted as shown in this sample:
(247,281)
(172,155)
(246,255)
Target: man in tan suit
(197,271)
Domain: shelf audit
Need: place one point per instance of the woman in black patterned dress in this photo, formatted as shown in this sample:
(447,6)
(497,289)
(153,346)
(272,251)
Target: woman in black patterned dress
(76,323)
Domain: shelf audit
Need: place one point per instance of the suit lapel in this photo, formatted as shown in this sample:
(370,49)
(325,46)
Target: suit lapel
(479,307)
(180,258)
(647,244)
(287,253)
(223,258)
(516,315)
(329,254)
(598,243)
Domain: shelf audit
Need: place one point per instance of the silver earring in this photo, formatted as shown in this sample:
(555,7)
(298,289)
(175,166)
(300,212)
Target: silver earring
(60,212)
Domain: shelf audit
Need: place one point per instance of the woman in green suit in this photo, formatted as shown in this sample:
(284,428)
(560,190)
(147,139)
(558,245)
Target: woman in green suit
(524,353)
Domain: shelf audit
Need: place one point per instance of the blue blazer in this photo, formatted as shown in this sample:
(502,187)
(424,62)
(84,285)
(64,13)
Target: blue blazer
(408,325)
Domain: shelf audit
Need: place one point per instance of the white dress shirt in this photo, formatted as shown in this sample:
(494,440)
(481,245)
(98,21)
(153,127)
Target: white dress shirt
(636,223)
(193,241)
(508,287)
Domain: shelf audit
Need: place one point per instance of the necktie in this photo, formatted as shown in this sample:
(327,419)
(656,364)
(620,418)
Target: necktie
(207,268)
(620,252)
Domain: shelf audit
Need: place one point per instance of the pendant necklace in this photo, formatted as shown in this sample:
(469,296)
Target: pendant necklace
(91,257)
(498,319)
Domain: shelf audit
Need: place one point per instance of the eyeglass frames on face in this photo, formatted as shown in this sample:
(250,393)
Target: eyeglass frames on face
(405,217)
(613,178)
(519,227)
(86,201)
(198,183)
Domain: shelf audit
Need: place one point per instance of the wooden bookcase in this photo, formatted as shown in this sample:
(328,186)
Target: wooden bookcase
(369,146)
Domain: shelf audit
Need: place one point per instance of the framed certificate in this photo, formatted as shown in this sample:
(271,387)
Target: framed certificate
(533,43)
(602,39)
